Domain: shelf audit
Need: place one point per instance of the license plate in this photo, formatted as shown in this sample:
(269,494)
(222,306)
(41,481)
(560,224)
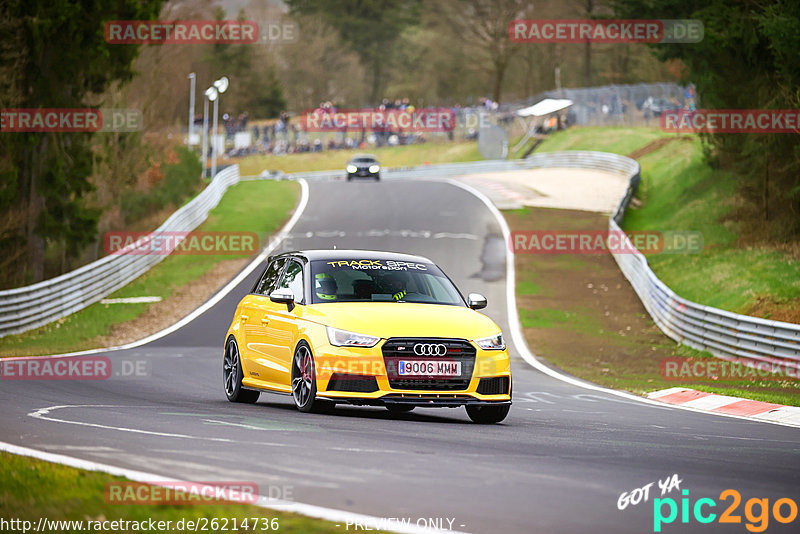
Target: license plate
(428,368)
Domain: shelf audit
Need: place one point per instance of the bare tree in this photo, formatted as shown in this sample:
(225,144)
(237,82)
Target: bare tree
(482,26)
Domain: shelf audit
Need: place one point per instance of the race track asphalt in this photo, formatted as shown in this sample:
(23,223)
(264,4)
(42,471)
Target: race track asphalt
(557,464)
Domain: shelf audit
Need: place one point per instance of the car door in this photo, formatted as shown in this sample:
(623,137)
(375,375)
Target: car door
(285,321)
(259,351)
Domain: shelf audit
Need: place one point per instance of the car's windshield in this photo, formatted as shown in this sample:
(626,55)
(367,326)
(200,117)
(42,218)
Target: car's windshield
(363,160)
(372,280)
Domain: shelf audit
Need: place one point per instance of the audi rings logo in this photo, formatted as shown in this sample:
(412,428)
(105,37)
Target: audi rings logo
(430,349)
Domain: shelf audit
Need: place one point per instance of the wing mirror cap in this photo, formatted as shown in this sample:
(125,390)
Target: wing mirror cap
(476,301)
(282,296)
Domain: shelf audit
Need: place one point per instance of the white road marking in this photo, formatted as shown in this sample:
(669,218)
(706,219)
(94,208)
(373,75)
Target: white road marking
(79,448)
(131,300)
(43,414)
(310,510)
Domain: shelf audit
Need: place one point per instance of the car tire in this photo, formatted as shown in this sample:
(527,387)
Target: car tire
(304,379)
(399,408)
(487,414)
(232,375)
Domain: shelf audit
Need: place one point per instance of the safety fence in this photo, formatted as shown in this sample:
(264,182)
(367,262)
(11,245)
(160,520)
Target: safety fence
(572,159)
(35,305)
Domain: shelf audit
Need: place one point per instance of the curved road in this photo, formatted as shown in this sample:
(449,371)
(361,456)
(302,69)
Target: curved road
(557,464)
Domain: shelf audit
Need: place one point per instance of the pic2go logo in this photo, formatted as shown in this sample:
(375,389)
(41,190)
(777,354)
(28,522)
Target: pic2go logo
(756,511)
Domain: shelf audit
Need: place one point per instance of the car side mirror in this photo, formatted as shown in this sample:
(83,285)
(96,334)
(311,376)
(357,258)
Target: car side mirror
(283,295)
(476,301)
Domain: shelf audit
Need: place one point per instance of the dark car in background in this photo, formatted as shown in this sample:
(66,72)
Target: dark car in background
(657,106)
(363,166)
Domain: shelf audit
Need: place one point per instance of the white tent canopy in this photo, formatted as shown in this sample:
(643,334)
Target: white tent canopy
(545,107)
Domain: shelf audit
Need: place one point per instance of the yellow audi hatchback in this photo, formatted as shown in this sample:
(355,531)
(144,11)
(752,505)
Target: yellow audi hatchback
(366,328)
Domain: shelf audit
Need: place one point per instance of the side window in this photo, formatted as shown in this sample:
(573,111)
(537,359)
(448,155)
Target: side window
(269,280)
(293,279)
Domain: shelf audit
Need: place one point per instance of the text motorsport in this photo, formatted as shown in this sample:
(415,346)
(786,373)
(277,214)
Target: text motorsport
(605,241)
(377,120)
(186,243)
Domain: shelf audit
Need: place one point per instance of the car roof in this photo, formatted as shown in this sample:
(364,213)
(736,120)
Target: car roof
(363,156)
(350,254)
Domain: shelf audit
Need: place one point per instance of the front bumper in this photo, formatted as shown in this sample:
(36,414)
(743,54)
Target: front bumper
(359,376)
(444,401)
(363,174)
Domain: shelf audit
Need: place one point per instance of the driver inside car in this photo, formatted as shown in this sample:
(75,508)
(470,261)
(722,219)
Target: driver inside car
(396,286)
(325,286)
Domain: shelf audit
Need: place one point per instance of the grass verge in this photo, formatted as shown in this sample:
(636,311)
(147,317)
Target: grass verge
(255,206)
(680,192)
(618,140)
(580,313)
(34,489)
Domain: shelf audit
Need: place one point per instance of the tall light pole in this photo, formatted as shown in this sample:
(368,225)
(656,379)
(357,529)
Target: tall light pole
(210,94)
(220,86)
(191,110)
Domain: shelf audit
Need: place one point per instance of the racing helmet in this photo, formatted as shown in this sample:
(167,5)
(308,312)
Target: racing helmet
(325,286)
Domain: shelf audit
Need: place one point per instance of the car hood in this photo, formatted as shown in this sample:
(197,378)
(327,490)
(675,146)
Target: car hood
(404,319)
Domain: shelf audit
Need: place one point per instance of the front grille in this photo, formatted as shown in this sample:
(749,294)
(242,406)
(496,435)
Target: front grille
(457,350)
(493,386)
(352,383)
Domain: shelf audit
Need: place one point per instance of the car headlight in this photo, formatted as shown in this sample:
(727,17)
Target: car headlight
(495,342)
(374,168)
(343,338)
(352,168)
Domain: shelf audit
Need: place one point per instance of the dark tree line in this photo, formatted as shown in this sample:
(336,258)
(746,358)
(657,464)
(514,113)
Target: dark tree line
(371,28)
(749,59)
(53,55)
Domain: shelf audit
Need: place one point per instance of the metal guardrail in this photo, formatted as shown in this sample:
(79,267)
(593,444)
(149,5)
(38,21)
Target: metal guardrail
(35,305)
(727,335)
(573,159)
(724,334)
